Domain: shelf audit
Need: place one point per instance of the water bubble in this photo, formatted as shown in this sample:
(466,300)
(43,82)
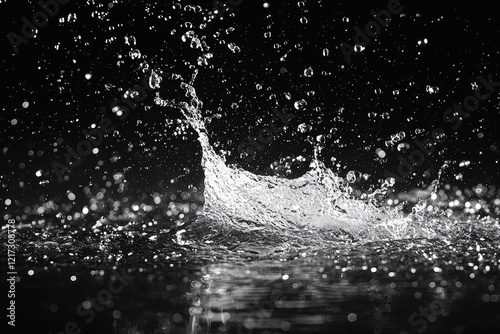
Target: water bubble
(326,52)
(300,104)
(351,176)
(308,72)
(303,20)
(345,19)
(267,34)
(395,92)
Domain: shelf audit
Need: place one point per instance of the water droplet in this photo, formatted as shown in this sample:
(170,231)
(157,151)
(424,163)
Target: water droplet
(135,54)
(380,153)
(71,17)
(303,128)
(300,104)
(351,176)
(326,52)
(130,40)
(402,147)
(422,42)
(308,72)
(358,48)
(431,90)
(234,48)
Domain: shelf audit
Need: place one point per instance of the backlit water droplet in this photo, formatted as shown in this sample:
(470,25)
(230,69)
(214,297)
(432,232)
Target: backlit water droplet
(300,104)
(308,72)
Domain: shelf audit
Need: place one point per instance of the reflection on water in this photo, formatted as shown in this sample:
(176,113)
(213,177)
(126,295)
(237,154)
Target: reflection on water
(391,288)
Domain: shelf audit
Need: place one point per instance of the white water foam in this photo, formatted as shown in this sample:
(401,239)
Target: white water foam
(318,200)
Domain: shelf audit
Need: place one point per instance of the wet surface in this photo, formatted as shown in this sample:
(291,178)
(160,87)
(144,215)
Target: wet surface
(150,284)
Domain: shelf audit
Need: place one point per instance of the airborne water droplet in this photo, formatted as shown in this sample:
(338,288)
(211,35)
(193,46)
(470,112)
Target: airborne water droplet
(234,48)
(431,90)
(302,128)
(135,54)
(358,48)
(130,40)
(300,104)
(308,72)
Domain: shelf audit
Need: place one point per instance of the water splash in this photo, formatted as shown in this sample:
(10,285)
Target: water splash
(318,200)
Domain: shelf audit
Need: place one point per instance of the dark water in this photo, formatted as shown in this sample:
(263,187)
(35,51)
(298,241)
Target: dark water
(146,283)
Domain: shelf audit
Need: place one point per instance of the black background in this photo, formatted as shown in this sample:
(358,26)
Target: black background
(49,72)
